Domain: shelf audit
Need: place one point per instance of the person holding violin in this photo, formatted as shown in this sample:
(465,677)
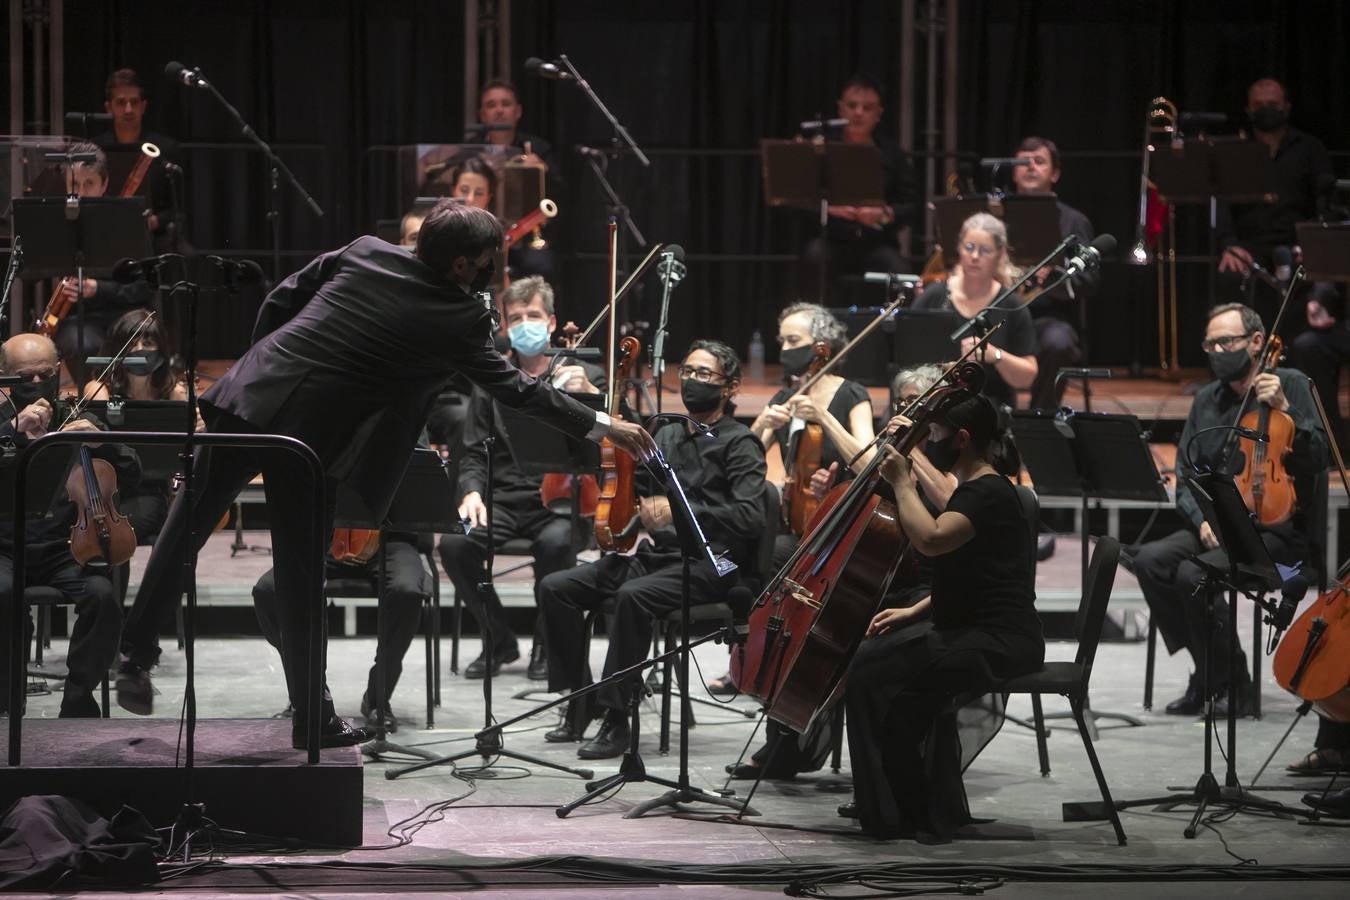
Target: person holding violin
(1235,340)
(819,429)
(720,464)
(103,298)
(30,410)
(977,627)
(518,510)
(982,271)
(348,356)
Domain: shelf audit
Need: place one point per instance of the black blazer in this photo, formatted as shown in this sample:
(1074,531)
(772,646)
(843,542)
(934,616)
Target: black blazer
(350,352)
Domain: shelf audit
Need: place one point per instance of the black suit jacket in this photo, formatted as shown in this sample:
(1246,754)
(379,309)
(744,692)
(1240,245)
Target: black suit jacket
(350,352)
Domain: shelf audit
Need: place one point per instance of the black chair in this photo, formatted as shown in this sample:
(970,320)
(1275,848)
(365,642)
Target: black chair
(1072,679)
(750,580)
(42,599)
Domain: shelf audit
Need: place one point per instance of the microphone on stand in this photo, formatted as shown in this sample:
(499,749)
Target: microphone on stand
(546,69)
(185,76)
(1090,257)
(671,270)
(821,124)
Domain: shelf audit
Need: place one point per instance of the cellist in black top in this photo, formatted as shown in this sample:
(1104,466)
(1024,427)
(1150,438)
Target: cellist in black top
(978,626)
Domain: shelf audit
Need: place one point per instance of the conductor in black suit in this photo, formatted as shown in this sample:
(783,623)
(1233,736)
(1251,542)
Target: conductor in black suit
(348,355)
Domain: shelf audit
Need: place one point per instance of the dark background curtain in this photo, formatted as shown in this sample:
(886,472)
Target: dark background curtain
(698,84)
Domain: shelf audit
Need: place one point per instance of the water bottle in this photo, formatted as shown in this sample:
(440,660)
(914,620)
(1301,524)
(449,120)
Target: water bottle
(757,356)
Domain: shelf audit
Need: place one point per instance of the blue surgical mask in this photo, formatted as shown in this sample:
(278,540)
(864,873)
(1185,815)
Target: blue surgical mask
(529,338)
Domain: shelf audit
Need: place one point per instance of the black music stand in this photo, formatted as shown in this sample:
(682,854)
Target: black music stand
(1101,456)
(812,176)
(158,462)
(1326,250)
(424,502)
(1032,220)
(1248,570)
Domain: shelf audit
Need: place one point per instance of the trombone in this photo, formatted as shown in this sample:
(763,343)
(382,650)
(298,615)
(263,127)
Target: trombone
(1161,120)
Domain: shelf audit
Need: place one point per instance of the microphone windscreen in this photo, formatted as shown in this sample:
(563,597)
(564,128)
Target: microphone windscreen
(1104,243)
(533,63)
(675,250)
(174,69)
(125,271)
(250,272)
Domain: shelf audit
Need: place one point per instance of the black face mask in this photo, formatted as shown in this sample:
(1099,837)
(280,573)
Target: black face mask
(796,360)
(30,392)
(153,360)
(483,277)
(942,454)
(1268,117)
(1229,365)
(699,396)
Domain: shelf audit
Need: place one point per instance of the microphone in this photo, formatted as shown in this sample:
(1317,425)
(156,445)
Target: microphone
(85,119)
(991,162)
(671,270)
(671,267)
(821,124)
(173,168)
(238,271)
(1090,257)
(185,76)
(1284,265)
(1203,119)
(1084,373)
(592,152)
(125,271)
(1252,434)
(545,69)
(890,278)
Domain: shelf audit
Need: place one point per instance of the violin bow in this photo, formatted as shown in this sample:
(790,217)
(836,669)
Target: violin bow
(844,351)
(77,408)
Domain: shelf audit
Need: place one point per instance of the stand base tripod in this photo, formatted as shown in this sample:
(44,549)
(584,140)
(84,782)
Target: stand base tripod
(488,746)
(633,770)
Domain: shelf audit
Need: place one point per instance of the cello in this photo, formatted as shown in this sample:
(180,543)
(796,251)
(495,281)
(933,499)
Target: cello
(616,511)
(1312,660)
(810,618)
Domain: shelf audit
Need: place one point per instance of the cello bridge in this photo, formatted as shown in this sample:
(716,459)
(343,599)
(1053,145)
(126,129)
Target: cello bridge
(801,594)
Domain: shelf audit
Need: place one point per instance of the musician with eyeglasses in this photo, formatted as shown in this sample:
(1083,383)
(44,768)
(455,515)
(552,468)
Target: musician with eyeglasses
(721,467)
(1168,575)
(982,271)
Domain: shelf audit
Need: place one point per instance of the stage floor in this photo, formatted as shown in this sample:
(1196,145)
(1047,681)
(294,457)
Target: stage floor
(510,816)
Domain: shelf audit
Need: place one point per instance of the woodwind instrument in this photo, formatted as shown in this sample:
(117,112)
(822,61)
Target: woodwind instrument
(149,153)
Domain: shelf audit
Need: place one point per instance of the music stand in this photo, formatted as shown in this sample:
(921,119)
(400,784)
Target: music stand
(925,336)
(812,176)
(1101,456)
(1326,250)
(1246,569)
(1032,220)
(424,502)
(159,462)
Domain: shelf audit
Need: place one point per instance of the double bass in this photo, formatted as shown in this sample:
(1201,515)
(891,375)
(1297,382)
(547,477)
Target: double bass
(810,618)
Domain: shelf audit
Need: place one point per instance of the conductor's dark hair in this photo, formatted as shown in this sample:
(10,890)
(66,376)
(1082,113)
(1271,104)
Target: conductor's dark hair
(453,229)
(990,433)
(726,358)
(864,81)
(1032,143)
(122,78)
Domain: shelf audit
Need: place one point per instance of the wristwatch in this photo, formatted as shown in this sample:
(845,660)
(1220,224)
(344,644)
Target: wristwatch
(998,355)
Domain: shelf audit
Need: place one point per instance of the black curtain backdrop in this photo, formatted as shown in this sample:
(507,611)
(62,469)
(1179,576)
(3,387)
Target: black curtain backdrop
(698,84)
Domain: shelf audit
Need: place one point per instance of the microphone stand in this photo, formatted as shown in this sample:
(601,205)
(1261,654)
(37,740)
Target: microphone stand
(279,169)
(980,321)
(672,271)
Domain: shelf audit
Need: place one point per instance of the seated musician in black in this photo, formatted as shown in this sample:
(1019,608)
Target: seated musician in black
(407,588)
(1324,349)
(102,299)
(982,271)
(1167,573)
(518,510)
(841,407)
(723,477)
(30,411)
(978,626)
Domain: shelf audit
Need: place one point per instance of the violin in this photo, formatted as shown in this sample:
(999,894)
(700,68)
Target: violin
(556,488)
(799,504)
(1312,660)
(616,511)
(101,535)
(1264,481)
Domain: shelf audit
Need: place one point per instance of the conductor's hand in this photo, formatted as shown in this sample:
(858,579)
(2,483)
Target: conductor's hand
(1207,536)
(34,419)
(823,479)
(471,509)
(654,512)
(887,619)
(1235,259)
(632,439)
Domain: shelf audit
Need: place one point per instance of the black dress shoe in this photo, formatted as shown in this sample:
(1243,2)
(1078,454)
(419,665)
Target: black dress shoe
(610,741)
(1191,703)
(79,706)
(745,770)
(577,715)
(848,810)
(538,670)
(334,732)
(1244,702)
(373,719)
(508,653)
(135,693)
(1336,804)
(1045,546)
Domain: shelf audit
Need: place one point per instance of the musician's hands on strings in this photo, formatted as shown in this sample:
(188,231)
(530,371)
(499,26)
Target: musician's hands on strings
(773,417)
(1269,391)
(34,419)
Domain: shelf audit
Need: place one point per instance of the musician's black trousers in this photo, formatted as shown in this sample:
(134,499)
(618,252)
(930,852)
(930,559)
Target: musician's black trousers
(93,638)
(463,557)
(640,586)
(407,587)
(906,771)
(219,475)
(1057,341)
(1169,576)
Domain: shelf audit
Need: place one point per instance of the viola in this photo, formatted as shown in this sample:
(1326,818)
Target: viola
(1264,481)
(101,534)
(799,504)
(810,618)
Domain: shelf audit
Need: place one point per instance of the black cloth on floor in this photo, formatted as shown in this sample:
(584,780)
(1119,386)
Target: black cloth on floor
(46,838)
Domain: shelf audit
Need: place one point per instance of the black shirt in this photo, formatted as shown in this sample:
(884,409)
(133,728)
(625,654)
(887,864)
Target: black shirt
(988,582)
(723,477)
(1299,165)
(1216,404)
(848,395)
(1017,336)
(900,190)
(1058,302)
(122,158)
